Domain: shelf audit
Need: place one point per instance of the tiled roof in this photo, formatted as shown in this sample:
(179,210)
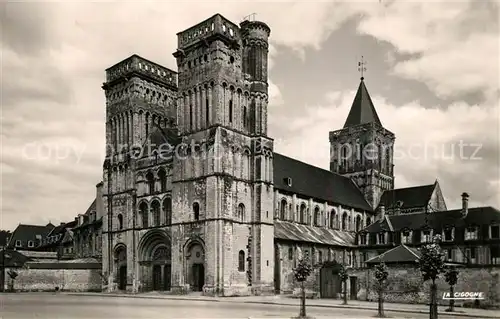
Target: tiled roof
(304,233)
(26,233)
(312,181)
(362,109)
(13,258)
(62,230)
(410,197)
(400,254)
(438,220)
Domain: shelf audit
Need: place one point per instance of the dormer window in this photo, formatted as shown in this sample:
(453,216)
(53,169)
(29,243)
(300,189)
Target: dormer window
(381,239)
(426,236)
(31,244)
(18,243)
(288,181)
(495,231)
(406,237)
(471,233)
(448,234)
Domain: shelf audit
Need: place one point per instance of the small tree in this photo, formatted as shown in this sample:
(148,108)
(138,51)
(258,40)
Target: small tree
(13,275)
(381,274)
(343,275)
(451,277)
(431,265)
(301,273)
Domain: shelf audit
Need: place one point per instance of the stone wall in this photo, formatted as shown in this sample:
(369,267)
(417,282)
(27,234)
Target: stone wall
(65,276)
(405,285)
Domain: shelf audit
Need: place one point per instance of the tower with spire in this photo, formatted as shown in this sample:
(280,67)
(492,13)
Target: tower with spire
(363,149)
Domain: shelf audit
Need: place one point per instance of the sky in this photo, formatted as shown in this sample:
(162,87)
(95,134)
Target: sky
(432,72)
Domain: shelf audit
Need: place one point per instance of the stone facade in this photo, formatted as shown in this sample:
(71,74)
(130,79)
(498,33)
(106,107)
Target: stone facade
(191,197)
(405,285)
(85,276)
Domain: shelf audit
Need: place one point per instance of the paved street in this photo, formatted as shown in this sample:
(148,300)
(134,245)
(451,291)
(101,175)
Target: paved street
(47,305)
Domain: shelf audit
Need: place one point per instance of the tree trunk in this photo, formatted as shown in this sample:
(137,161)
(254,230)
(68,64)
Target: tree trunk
(452,301)
(302,301)
(345,292)
(381,304)
(433,313)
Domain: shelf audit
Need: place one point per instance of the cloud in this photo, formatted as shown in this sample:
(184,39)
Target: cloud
(56,53)
(455,44)
(429,149)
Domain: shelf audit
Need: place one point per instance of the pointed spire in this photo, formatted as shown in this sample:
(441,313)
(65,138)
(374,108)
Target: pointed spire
(362,109)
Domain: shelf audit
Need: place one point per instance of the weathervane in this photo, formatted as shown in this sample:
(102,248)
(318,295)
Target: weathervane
(362,67)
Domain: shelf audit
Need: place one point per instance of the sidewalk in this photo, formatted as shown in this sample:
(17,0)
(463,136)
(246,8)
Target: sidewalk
(287,301)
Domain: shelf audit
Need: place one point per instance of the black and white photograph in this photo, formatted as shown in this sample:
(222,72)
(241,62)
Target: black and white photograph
(250,159)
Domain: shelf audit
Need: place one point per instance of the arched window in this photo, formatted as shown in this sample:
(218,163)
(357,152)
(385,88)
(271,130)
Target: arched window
(316,216)
(120,221)
(163,180)
(143,209)
(241,261)
(240,212)
(344,221)
(155,208)
(230,111)
(358,223)
(207,111)
(245,117)
(332,219)
(196,211)
(151,182)
(283,209)
(368,221)
(302,213)
(167,210)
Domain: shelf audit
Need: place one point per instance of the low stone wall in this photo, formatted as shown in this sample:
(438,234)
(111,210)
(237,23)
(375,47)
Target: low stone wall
(405,285)
(46,276)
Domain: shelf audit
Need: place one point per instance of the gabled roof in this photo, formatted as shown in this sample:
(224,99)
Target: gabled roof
(304,233)
(312,181)
(477,216)
(400,254)
(26,233)
(362,109)
(411,197)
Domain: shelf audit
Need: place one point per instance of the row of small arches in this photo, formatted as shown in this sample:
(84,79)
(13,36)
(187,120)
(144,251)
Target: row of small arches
(318,220)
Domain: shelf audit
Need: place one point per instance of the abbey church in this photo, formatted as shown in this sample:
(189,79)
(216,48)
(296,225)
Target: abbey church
(195,199)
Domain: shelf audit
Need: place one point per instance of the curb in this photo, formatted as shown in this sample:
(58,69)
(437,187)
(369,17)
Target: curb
(277,303)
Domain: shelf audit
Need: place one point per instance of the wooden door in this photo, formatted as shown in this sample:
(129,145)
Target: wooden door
(157,277)
(122,278)
(198,277)
(167,273)
(354,288)
(330,285)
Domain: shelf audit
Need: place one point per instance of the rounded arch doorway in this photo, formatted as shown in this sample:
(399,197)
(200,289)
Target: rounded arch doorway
(120,260)
(155,261)
(195,260)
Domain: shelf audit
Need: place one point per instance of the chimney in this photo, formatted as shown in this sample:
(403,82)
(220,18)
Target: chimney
(381,212)
(465,204)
